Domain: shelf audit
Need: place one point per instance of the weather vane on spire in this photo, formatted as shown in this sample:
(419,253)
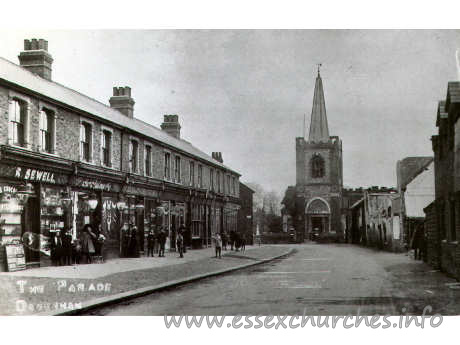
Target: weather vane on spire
(319,66)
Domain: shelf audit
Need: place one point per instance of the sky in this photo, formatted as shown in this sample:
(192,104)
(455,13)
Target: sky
(245,92)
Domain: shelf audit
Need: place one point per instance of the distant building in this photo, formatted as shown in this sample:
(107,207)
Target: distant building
(415,177)
(245,214)
(373,222)
(319,175)
(442,224)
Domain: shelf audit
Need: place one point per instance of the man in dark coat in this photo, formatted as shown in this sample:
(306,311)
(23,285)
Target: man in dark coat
(133,243)
(66,247)
(162,239)
(56,249)
(150,243)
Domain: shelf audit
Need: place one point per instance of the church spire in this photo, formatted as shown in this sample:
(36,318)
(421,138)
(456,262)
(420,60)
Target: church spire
(319,130)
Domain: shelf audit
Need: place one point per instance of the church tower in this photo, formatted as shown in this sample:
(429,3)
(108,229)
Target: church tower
(319,175)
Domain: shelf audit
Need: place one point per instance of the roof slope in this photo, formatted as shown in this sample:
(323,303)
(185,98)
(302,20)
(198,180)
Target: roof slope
(410,167)
(15,74)
(319,130)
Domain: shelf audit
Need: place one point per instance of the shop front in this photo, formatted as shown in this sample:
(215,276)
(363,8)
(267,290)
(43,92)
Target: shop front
(34,206)
(95,202)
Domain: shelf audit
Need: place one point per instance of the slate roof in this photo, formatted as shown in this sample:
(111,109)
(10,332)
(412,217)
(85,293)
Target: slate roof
(410,167)
(15,74)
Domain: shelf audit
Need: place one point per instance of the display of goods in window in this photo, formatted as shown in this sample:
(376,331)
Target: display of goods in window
(15,257)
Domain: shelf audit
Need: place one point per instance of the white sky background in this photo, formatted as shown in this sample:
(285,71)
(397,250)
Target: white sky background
(245,93)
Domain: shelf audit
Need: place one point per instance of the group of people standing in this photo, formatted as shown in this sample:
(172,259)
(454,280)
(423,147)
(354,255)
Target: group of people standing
(235,240)
(156,242)
(67,250)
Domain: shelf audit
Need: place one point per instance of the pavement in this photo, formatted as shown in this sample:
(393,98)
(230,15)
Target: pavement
(66,289)
(317,279)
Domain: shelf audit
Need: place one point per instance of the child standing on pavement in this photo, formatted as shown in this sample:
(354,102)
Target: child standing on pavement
(180,244)
(150,243)
(218,243)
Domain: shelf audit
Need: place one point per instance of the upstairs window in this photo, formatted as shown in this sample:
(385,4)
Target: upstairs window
(167,166)
(233,186)
(218,181)
(47,131)
(177,172)
(86,141)
(134,156)
(317,166)
(211,178)
(148,160)
(200,176)
(17,123)
(106,148)
(192,173)
(228,184)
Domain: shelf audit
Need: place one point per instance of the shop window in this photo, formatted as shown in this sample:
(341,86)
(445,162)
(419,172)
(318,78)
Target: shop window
(177,170)
(211,178)
(148,160)
(106,148)
(192,173)
(167,166)
(86,141)
(134,156)
(317,166)
(47,131)
(200,176)
(17,122)
(218,182)
(52,212)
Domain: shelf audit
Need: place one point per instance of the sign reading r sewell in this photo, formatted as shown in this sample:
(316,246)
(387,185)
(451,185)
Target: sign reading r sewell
(32,175)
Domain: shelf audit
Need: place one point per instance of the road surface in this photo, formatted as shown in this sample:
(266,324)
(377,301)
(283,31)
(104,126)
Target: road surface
(318,279)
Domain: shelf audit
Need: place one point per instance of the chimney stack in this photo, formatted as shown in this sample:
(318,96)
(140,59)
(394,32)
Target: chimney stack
(171,125)
(122,101)
(218,156)
(36,58)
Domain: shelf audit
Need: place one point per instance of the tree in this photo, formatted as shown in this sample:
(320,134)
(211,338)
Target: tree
(289,201)
(267,208)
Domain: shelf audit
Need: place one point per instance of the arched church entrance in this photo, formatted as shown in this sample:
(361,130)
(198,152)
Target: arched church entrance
(318,217)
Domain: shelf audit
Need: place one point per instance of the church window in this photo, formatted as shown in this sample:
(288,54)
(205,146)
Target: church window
(317,166)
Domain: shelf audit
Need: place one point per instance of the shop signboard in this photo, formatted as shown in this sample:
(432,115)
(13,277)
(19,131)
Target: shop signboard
(95,184)
(32,174)
(15,257)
